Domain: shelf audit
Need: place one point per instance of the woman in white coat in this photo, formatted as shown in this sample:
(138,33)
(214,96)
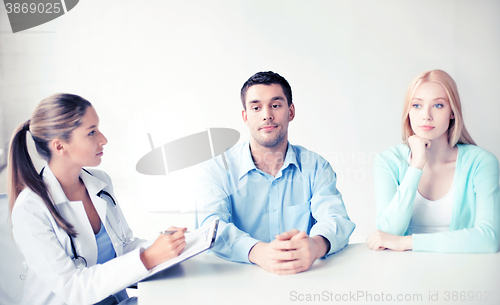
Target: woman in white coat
(77,246)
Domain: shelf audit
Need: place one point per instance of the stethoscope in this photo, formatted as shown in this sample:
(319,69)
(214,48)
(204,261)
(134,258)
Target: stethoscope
(80,261)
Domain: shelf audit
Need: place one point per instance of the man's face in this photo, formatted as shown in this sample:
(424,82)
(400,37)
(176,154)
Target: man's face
(267,114)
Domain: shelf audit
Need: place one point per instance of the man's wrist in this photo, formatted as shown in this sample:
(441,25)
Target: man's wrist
(328,245)
(323,245)
(253,253)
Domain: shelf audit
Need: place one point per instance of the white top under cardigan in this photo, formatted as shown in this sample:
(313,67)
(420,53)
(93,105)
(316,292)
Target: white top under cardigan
(431,216)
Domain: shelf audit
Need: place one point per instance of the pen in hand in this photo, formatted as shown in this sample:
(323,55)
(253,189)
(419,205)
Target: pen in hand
(168,232)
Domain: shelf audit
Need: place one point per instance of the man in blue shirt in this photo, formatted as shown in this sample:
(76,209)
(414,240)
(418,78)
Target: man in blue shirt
(277,203)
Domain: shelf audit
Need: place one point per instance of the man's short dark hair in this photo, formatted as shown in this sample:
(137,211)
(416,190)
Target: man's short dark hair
(266,78)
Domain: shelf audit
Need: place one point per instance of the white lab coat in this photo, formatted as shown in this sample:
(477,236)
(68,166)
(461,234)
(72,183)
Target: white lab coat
(51,276)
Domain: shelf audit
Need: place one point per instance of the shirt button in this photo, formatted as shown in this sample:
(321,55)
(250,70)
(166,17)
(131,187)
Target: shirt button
(274,209)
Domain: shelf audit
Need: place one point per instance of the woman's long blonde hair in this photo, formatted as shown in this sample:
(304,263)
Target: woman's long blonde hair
(54,118)
(457,133)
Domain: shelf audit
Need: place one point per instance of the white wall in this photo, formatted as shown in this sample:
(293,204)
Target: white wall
(173,68)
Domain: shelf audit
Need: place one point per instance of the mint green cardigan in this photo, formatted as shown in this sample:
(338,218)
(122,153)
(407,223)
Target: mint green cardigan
(475,221)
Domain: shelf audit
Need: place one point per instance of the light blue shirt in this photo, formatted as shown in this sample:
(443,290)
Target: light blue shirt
(105,250)
(254,206)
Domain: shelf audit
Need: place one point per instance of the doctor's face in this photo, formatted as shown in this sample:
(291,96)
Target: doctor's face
(267,115)
(85,147)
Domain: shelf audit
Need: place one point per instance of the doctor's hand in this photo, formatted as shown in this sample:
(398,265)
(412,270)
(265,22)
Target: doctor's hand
(291,252)
(418,147)
(164,248)
(381,240)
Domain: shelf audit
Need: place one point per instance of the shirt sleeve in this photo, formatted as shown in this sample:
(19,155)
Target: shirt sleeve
(213,201)
(394,198)
(484,236)
(328,209)
(34,233)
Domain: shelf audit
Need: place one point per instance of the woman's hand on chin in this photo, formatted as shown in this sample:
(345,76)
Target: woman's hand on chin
(418,147)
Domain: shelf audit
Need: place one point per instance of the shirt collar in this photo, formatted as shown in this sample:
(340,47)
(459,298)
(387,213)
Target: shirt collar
(247,163)
(93,185)
(290,158)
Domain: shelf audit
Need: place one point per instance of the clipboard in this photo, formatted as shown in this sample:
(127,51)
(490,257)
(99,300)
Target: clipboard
(197,242)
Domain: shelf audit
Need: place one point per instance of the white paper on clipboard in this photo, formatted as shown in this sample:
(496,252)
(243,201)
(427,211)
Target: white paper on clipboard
(197,242)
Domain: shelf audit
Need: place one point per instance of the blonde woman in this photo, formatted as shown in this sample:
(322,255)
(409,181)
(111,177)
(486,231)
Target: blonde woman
(437,192)
(77,246)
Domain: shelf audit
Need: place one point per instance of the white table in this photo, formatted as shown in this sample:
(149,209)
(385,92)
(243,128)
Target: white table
(356,275)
